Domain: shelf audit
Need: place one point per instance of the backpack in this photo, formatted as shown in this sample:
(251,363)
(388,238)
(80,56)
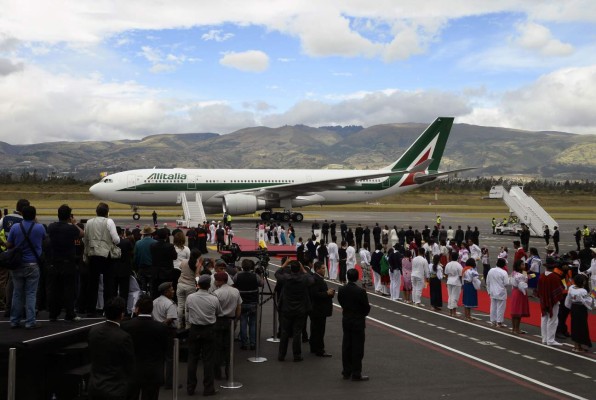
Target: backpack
(12,258)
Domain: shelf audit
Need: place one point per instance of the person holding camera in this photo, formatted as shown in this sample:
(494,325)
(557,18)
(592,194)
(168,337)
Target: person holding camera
(322,307)
(248,283)
(62,271)
(294,304)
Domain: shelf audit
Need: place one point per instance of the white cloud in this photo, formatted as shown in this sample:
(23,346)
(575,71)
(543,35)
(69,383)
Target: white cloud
(562,100)
(248,61)
(163,63)
(332,27)
(538,38)
(217,35)
(371,108)
(8,67)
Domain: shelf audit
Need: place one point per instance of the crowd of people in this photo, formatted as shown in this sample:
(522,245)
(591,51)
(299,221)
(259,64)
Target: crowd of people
(68,264)
(404,261)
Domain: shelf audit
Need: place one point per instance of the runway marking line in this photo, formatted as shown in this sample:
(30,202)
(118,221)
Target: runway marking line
(563,368)
(544,362)
(582,375)
(495,369)
(552,348)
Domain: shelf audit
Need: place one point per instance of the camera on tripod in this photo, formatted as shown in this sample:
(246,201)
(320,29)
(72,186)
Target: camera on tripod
(262,262)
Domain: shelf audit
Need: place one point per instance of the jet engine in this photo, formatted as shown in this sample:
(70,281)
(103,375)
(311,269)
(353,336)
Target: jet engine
(238,204)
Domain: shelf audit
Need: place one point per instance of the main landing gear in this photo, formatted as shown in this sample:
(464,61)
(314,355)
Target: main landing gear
(135,213)
(284,216)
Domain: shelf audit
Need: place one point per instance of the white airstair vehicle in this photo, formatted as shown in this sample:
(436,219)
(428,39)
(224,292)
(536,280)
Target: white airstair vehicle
(527,210)
(194,213)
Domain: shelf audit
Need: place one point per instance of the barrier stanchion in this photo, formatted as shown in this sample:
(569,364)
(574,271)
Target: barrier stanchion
(230,384)
(257,358)
(175,361)
(274,338)
(12,373)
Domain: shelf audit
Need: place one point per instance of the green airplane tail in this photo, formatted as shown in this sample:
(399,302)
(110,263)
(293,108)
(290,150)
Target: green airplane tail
(430,144)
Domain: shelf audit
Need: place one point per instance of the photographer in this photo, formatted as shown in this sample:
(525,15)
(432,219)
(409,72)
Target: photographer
(62,273)
(295,305)
(322,307)
(248,283)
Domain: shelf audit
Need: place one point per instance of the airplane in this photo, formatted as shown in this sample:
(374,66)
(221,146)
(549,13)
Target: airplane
(245,191)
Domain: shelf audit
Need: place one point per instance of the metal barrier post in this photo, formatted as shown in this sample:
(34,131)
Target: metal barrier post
(230,384)
(274,338)
(12,373)
(176,362)
(257,358)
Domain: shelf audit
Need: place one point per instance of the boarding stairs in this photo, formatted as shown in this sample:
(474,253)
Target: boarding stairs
(194,213)
(525,208)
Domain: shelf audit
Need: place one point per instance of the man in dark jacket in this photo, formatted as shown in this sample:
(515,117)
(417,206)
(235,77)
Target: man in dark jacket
(111,354)
(376,231)
(355,305)
(163,254)
(62,271)
(322,307)
(150,339)
(359,232)
(459,236)
(295,305)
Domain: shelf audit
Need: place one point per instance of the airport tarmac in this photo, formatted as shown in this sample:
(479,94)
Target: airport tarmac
(412,352)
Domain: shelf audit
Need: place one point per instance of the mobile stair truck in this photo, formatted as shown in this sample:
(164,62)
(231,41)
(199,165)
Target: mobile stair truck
(527,210)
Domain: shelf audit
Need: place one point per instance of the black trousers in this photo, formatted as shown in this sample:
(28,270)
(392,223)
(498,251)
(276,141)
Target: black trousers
(342,270)
(122,286)
(291,325)
(563,314)
(62,280)
(317,334)
(352,347)
(222,346)
(99,266)
(201,342)
(144,389)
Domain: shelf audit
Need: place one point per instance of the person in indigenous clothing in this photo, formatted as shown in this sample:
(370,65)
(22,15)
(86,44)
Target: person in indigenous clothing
(550,292)
(579,302)
(470,297)
(520,306)
(406,268)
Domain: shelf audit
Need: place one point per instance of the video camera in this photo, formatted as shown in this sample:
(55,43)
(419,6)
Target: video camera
(262,262)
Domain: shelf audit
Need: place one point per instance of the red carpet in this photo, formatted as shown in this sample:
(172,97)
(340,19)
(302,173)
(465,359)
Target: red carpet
(484,306)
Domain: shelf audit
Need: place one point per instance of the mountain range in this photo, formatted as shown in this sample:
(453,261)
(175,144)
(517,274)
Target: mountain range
(495,151)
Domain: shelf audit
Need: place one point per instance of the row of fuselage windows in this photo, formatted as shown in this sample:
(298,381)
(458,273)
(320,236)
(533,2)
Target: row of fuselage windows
(252,181)
(278,181)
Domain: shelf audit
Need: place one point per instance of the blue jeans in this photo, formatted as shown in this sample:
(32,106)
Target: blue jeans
(25,281)
(248,319)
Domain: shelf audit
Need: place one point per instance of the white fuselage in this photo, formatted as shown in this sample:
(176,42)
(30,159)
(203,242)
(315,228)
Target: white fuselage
(162,187)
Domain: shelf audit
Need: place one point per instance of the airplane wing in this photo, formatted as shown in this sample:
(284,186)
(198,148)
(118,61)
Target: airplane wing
(422,178)
(305,188)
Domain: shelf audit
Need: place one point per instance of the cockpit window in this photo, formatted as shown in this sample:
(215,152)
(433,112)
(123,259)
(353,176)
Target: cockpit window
(107,180)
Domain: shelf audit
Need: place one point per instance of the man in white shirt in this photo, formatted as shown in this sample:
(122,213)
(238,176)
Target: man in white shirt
(333,260)
(496,282)
(475,251)
(351,260)
(453,270)
(420,274)
(365,264)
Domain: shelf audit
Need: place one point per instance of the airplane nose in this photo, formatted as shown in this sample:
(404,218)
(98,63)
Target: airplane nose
(94,190)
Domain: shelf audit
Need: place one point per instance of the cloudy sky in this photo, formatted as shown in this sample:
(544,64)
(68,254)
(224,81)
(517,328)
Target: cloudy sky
(109,69)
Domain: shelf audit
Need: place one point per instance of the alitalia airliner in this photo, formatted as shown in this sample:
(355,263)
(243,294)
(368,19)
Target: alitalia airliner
(245,191)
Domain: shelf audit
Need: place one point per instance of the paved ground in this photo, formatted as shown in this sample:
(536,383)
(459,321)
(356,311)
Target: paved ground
(416,353)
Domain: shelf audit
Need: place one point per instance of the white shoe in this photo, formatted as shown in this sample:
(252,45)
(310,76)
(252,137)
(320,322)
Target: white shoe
(554,344)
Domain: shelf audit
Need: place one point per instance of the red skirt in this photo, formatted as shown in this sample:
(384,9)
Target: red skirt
(520,307)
